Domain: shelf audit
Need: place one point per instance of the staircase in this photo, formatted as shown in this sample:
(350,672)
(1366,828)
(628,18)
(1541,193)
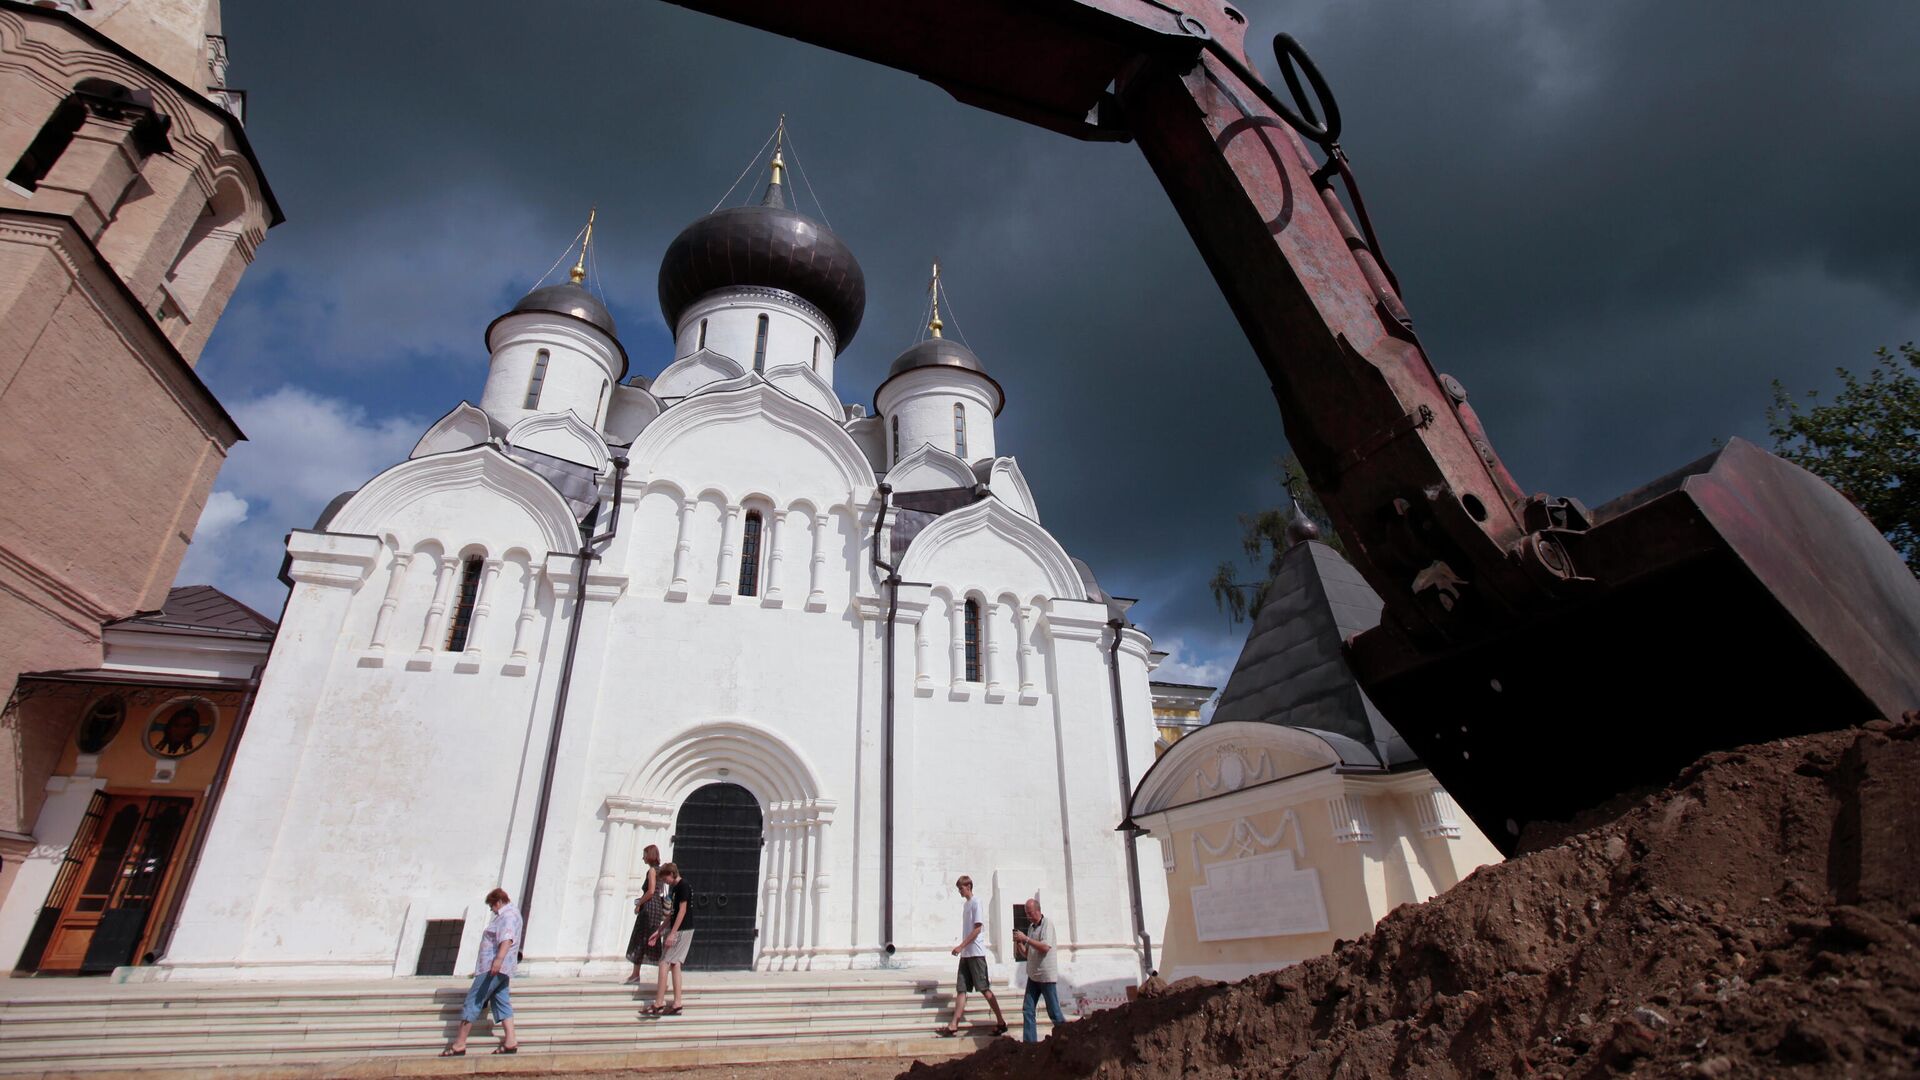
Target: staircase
(59,1026)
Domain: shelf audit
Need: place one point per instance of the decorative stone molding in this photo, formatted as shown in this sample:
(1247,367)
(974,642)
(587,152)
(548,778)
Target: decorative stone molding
(335,560)
(1350,824)
(1244,840)
(751,396)
(803,384)
(1232,770)
(464,425)
(922,559)
(562,435)
(479,468)
(698,369)
(929,468)
(1439,817)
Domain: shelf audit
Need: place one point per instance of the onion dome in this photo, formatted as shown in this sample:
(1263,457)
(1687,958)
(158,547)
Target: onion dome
(571,299)
(769,246)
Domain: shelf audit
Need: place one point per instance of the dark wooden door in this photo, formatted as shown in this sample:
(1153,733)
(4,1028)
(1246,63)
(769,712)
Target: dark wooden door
(117,869)
(716,844)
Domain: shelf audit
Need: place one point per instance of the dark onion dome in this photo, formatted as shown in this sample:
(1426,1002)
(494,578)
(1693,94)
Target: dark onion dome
(942,352)
(771,247)
(572,300)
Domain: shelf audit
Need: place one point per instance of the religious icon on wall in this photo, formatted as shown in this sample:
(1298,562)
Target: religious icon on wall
(101,724)
(180,730)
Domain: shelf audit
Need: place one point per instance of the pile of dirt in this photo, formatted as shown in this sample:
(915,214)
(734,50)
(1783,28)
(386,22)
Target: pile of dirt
(1758,917)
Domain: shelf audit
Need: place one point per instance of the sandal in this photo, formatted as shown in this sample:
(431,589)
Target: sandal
(1001,1030)
(945,1032)
(514,1049)
(650,1010)
(451,1052)
(675,1011)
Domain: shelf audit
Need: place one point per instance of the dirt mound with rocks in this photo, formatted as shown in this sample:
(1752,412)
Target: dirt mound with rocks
(1758,917)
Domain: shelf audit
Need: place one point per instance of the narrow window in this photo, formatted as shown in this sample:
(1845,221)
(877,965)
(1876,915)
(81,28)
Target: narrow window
(533,381)
(960,430)
(973,640)
(703,335)
(54,138)
(896,438)
(816,354)
(463,615)
(601,409)
(750,555)
(760,347)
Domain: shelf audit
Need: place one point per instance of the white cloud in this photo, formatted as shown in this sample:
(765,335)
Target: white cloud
(305,448)
(1186,664)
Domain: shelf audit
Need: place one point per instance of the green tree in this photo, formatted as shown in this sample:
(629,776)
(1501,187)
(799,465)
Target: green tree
(1865,442)
(1263,538)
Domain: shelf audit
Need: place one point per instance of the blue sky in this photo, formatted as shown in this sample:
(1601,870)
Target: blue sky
(1616,224)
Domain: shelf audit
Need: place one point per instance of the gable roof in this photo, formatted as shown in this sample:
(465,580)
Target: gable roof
(203,609)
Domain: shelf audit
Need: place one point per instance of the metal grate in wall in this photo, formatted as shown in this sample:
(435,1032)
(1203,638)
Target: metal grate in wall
(439,946)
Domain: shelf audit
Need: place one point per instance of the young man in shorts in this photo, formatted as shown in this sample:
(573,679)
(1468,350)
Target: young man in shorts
(972,952)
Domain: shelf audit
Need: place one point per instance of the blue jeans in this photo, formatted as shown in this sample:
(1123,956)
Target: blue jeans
(487,989)
(1035,990)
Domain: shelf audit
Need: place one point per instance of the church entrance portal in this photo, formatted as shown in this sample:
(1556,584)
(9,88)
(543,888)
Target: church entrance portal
(716,843)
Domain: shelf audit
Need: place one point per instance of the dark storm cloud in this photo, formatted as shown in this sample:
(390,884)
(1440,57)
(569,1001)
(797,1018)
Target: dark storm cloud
(1615,222)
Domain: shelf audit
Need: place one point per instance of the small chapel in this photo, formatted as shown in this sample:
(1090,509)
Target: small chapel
(826,656)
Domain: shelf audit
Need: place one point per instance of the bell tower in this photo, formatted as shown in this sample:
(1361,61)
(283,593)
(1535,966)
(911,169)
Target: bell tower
(130,204)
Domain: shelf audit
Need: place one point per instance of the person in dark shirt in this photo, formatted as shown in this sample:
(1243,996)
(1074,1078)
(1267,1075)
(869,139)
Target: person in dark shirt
(674,937)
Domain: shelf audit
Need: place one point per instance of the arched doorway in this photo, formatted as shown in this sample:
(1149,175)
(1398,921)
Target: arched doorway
(716,843)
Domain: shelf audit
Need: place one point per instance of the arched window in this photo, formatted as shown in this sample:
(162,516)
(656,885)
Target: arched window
(760,347)
(533,381)
(960,430)
(45,149)
(463,614)
(973,640)
(703,335)
(816,354)
(896,438)
(750,555)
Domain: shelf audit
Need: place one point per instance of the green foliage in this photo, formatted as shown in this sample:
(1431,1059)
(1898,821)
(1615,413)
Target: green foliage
(1263,537)
(1865,442)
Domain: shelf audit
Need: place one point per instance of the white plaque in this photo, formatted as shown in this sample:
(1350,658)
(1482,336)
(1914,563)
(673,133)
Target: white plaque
(1261,896)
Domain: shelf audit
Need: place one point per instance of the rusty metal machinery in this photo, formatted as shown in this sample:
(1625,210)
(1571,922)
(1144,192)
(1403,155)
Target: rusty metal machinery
(1541,657)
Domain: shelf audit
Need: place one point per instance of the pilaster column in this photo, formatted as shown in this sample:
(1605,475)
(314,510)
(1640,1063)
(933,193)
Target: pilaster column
(682,551)
(957,608)
(775,556)
(797,884)
(609,891)
(523,626)
(396,581)
(1024,622)
(990,629)
(822,812)
(817,574)
(922,675)
(436,627)
(723,581)
(482,606)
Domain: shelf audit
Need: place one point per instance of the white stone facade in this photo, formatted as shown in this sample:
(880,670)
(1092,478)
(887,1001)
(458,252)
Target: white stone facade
(388,780)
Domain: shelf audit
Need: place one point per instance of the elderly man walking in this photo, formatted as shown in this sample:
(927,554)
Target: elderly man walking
(1043,971)
(499,951)
(972,952)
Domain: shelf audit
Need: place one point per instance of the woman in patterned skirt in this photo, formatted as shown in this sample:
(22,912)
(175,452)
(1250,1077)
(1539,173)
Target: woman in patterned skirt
(647,911)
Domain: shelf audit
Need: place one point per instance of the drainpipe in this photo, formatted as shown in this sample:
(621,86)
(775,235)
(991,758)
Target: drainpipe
(892,582)
(1126,801)
(589,551)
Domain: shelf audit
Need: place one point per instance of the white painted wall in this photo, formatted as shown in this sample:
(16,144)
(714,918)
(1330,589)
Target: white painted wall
(581,368)
(732,318)
(923,400)
(379,787)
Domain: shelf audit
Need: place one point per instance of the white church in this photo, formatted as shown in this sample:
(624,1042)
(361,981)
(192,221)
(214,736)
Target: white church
(827,659)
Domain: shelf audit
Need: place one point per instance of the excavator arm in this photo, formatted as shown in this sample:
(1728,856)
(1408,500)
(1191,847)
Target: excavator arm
(1539,656)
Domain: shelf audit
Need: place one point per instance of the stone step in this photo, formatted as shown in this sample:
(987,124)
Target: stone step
(75,1026)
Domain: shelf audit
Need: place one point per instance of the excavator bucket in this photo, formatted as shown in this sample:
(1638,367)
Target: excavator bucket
(1735,601)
